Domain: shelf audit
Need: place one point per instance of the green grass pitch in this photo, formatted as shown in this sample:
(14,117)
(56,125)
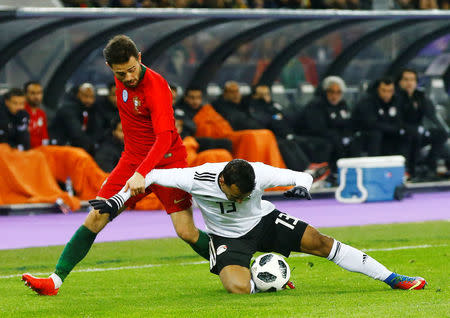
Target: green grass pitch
(164,278)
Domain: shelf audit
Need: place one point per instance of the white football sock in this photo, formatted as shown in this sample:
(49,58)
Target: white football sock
(253,289)
(354,260)
(56,280)
(123,195)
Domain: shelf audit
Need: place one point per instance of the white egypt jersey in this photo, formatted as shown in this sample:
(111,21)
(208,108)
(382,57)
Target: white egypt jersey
(223,217)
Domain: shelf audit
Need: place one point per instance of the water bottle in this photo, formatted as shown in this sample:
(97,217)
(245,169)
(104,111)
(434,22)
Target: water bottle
(69,188)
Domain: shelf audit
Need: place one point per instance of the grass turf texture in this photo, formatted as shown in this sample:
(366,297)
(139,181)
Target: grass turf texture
(173,288)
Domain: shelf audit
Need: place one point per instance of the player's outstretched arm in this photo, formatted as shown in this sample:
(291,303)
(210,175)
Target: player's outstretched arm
(269,177)
(116,202)
(172,178)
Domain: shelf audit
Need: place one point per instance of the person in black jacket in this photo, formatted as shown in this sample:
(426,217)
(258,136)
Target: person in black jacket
(264,113)
(417,107)
(378,118)
(110,150)
(231,106)
(327,118)
(186,110)
(14,120)
(77,122)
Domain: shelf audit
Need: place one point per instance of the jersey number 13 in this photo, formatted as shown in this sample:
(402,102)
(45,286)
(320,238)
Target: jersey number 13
(227,207)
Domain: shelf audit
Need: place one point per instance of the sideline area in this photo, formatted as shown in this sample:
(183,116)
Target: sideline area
(56,229)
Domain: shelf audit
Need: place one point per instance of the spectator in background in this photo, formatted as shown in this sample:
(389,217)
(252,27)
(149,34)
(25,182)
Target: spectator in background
(77,122)
(427,5)
(229,106)
(181,3)
(266,113)
(38,119)
(149,4)
(187,127)
(101,3)
(328,117)
(417,107)
(108,154)
(107,107)
(404,4)
(444,4)
(378,118)
(198,4)
(196,153)
(251,145)
(14,120)
(261,109)
(123,3)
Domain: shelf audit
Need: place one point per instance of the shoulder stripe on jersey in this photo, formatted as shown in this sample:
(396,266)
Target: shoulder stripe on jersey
(205,179)
(205,174)
(209,178)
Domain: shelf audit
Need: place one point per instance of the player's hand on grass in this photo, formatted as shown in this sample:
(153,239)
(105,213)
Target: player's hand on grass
(105,206)
(298,192)
(136,184)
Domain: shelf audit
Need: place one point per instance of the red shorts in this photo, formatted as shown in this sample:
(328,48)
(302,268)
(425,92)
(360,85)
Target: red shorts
(173,200)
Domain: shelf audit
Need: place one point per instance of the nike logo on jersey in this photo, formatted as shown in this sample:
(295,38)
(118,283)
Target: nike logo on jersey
(178,201)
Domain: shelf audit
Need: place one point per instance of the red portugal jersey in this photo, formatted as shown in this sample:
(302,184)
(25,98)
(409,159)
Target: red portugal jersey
(146,111)
(37,126)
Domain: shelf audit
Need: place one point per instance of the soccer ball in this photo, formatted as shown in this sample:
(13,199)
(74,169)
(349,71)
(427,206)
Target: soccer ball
(270,272)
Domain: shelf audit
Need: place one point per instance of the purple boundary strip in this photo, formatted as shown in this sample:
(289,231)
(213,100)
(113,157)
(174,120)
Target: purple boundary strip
(50,229)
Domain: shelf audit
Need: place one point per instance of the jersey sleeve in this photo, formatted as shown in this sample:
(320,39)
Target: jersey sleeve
(269,177)
(161,110)
(181,178)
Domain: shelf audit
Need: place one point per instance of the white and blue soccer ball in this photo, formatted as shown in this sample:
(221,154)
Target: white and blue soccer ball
(270,272)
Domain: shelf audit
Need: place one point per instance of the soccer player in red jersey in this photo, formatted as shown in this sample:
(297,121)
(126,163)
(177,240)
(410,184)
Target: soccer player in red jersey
(38,119)
(144,101)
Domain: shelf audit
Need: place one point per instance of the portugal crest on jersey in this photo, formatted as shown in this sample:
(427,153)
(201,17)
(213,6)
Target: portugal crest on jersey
(137,104)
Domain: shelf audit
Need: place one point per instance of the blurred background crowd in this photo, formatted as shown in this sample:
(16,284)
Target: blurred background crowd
(304,117)
(267,4)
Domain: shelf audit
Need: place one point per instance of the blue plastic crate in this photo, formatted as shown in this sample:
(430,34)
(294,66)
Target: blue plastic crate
(369,179)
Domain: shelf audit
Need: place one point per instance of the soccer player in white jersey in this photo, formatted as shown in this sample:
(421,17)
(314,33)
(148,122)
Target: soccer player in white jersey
(240,223)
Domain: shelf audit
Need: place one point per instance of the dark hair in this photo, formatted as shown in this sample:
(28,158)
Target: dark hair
(13,92)
(119,50)
(385,81)
(240,173)
(193,88)
(406,70)
(25,86)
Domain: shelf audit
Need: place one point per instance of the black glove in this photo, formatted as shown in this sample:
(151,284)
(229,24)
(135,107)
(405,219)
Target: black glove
(105,206)
(298,192)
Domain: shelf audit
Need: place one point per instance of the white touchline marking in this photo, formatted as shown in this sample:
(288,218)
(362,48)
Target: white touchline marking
(105,269)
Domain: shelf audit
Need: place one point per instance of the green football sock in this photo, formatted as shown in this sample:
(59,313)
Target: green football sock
(77,248)
(201,247)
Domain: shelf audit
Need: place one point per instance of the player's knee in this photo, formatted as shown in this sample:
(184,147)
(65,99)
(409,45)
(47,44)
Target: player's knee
(96,221)
(238,287)
(316,243)
(326,243)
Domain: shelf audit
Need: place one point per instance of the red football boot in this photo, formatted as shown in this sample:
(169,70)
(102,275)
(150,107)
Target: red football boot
(289,285)
(42,286)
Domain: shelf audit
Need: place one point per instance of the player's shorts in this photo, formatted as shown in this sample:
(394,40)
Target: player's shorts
(173,200)
(276,232)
